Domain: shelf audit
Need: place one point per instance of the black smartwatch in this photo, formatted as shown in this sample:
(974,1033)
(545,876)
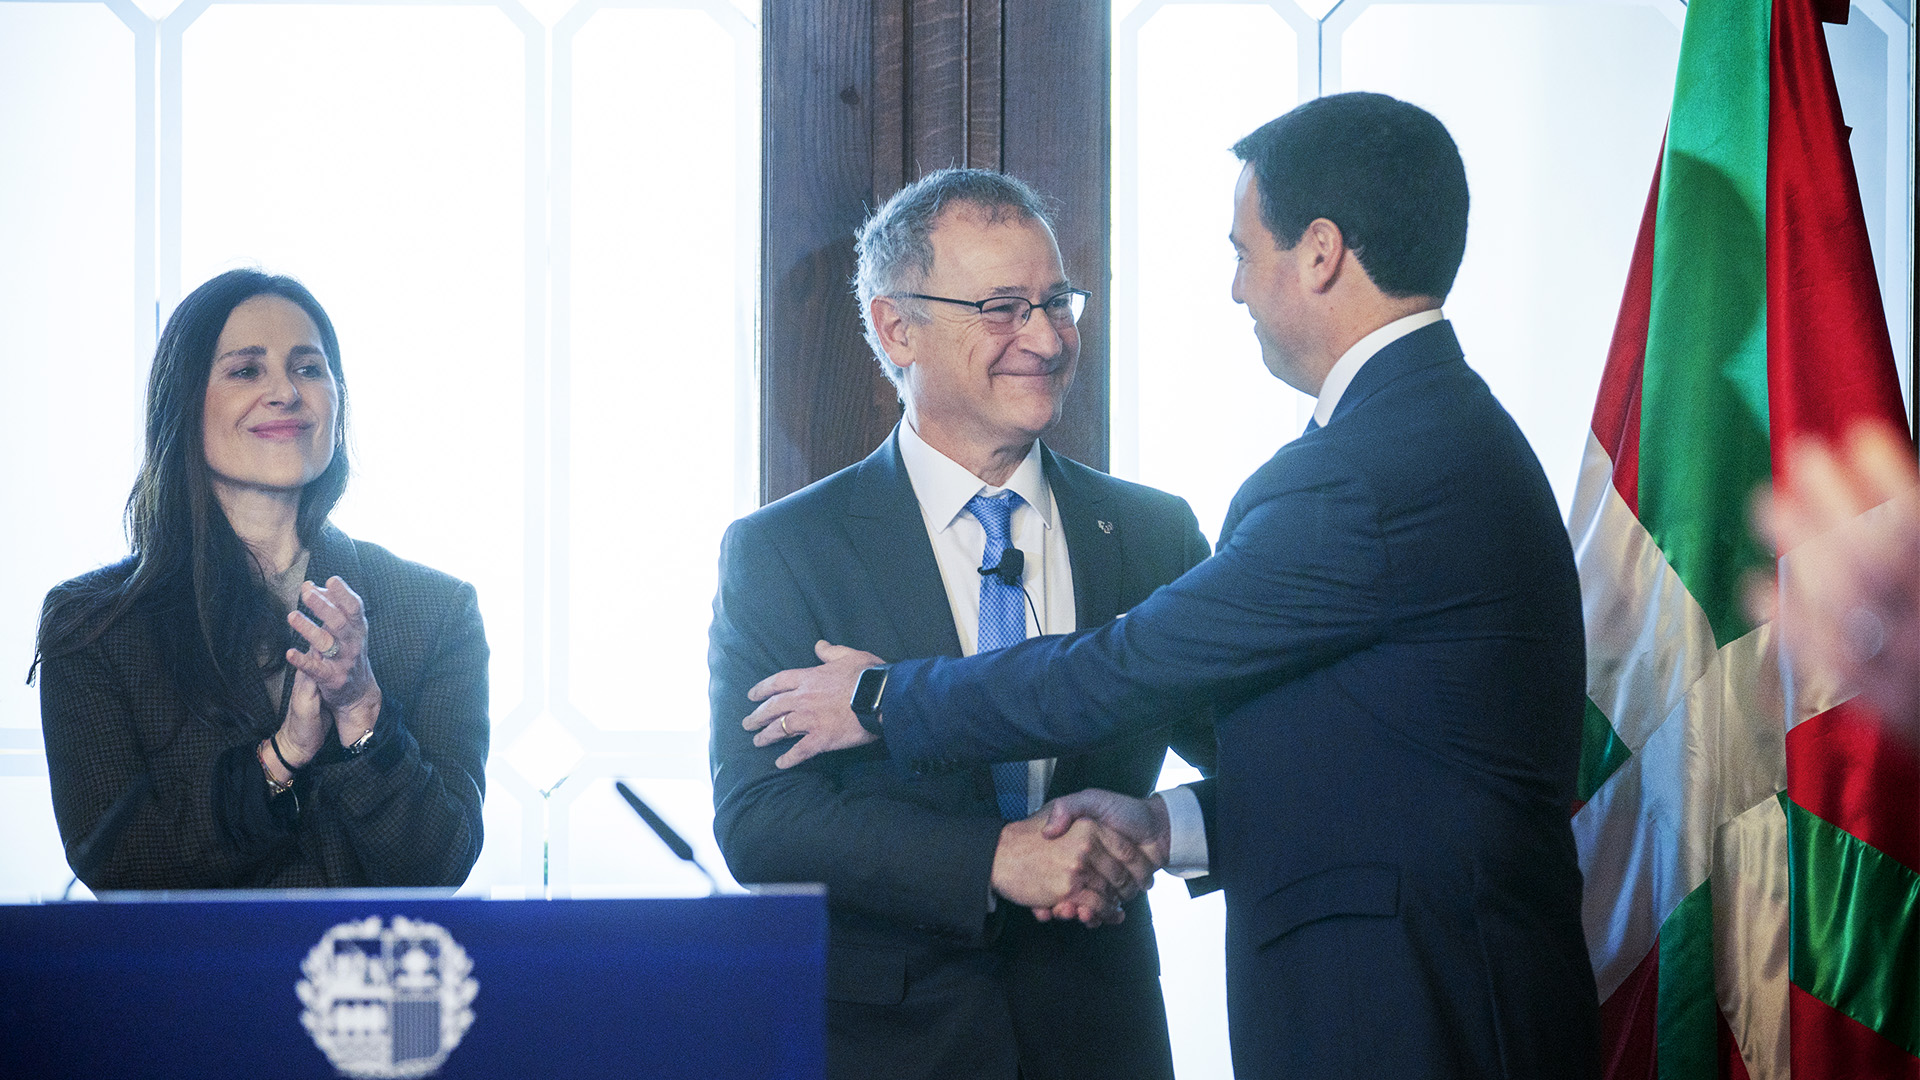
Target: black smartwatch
(866,697)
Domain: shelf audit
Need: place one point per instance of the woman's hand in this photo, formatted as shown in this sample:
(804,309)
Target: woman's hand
(301,734)
(336,656)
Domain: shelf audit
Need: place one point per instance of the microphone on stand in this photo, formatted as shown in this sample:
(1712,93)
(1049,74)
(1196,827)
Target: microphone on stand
(666,834)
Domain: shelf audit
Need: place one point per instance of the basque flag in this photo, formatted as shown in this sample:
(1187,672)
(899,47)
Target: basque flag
(1750,837)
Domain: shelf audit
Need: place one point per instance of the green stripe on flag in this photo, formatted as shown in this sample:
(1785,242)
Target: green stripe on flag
(1703,416)
(1601,751)
(1689,1014)
(1856,926)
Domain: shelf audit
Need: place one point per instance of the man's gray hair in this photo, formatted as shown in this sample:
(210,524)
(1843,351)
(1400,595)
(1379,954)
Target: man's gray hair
(895,245)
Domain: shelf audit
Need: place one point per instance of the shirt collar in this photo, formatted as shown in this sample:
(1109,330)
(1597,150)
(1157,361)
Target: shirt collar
(943,485)
(1363,350)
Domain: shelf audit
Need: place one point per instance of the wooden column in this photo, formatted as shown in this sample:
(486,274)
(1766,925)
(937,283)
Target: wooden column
(862,96)
(1058,137)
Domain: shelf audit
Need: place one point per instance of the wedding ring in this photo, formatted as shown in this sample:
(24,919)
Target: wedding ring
(784,729)
(332,651)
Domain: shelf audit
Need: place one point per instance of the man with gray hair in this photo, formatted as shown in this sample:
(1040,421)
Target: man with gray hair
(960,533)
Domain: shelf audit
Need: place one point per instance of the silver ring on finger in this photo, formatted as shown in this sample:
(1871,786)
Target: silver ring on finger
(332,651)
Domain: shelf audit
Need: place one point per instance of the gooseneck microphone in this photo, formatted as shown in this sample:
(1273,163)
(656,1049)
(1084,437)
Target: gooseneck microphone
(666,834)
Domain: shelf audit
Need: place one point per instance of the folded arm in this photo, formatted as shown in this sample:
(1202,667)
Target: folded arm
(884,842)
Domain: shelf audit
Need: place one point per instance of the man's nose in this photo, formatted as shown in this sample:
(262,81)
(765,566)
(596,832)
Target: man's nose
(1040,337)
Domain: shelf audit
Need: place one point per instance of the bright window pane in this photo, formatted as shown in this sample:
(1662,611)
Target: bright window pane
(660,355)
(1194,409)
(70,353)
(536,230)
(1871,70)
(1558,111)
(378,154)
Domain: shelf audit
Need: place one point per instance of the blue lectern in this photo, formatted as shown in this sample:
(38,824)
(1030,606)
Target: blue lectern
(376,984)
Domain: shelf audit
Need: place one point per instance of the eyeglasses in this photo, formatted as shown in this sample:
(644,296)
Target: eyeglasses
(1005,314)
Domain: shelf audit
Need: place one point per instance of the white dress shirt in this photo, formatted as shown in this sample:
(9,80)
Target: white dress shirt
(1340,376)
(942,486)
(1187,850)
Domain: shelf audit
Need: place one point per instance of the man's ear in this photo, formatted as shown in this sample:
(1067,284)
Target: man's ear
(1321,252)
(894,329)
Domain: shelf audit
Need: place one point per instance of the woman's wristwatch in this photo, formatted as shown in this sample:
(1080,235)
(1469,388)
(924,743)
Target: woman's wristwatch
(359,745)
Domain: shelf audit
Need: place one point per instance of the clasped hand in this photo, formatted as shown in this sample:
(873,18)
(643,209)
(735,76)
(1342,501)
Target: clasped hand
(333,678)
(1081,856)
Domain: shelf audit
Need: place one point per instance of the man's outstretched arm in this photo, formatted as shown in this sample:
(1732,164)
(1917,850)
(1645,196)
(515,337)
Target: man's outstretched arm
(1277,601)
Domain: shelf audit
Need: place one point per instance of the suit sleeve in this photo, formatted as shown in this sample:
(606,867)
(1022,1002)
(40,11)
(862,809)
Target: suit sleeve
(410,806)
(877,851)
(1295,586)
(95,755)
(1192,736)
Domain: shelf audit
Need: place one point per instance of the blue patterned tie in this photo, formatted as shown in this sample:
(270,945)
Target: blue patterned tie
(1003,621)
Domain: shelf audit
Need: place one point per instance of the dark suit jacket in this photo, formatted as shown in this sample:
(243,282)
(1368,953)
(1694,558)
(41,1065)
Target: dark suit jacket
(920,980)
(1391,630)
(405,812)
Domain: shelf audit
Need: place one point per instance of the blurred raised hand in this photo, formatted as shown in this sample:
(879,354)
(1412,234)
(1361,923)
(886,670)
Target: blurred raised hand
(1846,519)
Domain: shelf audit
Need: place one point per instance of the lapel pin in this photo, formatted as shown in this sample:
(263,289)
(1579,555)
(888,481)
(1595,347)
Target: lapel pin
(1105,526)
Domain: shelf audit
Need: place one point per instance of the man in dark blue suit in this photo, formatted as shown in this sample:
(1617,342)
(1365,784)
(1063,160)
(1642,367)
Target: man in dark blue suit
(1390,632)
(936,965)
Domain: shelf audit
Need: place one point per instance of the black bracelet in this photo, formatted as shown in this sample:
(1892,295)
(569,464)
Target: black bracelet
(273,740)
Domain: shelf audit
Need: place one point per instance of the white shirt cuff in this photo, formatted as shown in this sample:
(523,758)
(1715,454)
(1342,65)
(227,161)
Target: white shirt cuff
(1187,834)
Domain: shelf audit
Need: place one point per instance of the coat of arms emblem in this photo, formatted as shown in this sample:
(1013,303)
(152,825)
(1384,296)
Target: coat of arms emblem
(387,1001)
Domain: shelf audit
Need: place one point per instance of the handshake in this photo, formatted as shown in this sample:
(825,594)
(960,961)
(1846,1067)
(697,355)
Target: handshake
(1082,855)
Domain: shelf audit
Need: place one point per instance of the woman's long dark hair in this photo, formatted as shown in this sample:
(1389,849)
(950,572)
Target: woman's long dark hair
(188,565)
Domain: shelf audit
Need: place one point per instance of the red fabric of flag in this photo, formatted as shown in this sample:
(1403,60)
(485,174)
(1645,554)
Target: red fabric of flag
(1829,366)
(1616,411)
(1829,357)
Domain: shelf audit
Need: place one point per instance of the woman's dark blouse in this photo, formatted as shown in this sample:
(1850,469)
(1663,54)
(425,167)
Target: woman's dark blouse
(404,812)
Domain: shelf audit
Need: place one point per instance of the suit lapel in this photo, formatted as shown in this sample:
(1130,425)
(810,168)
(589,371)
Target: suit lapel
(889,537)
(333,555)
(1093,548)
(1093,542)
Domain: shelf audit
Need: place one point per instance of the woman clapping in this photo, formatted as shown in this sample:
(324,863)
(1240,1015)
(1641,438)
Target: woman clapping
(213,717)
